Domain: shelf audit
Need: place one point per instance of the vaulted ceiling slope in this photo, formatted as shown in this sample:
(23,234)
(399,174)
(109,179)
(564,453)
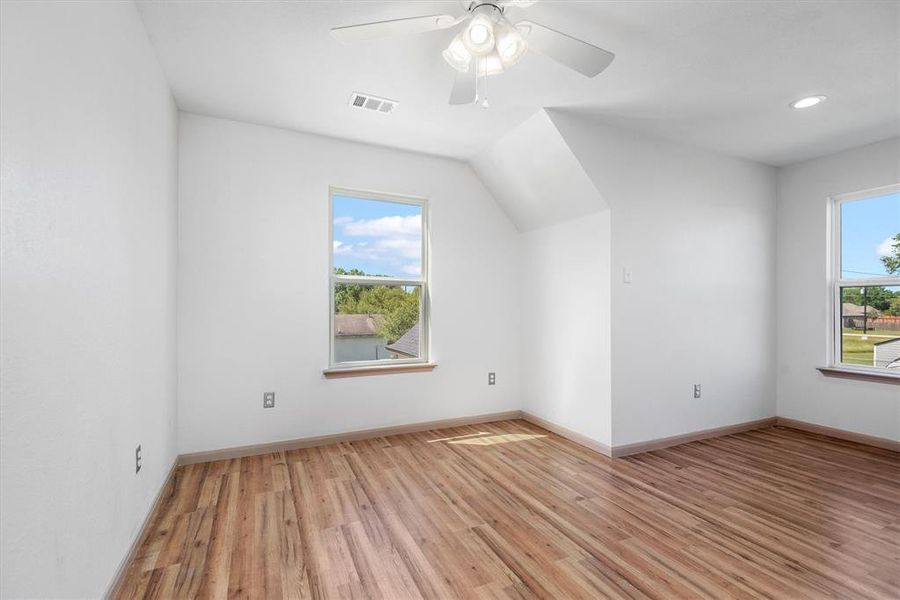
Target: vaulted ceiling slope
(708,73)
(535,177)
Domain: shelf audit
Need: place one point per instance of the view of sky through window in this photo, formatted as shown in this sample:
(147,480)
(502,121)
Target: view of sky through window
(377,237)
(868,228)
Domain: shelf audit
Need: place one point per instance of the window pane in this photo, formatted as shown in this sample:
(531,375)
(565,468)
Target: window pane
(375,237)
(870,237)
(376,322)
(870,326)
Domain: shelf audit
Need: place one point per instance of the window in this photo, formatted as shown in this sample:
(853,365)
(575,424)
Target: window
(866,292)
(379,279)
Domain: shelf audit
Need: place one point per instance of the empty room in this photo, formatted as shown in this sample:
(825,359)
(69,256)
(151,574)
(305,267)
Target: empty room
(439,299)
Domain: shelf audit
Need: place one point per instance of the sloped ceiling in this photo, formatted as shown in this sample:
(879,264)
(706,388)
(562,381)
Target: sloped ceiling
(535,177)
(708,73)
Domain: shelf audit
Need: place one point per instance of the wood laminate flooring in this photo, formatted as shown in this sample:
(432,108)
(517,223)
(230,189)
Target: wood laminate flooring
(509,510)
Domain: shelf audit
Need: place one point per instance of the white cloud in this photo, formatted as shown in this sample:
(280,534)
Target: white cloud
(393,244)
(886,248)
(400,247)
(340,248)
(410,226)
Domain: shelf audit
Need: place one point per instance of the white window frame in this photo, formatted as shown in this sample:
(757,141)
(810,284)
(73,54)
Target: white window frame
(837,282)
(422,280)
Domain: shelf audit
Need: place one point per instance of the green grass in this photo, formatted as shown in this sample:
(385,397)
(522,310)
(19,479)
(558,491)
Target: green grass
(857,351)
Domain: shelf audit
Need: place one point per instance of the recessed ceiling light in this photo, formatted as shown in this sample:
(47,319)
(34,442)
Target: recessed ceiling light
(808,102)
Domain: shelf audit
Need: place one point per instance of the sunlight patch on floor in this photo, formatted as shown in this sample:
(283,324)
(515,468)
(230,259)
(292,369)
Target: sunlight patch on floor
(504,438)
(460,437)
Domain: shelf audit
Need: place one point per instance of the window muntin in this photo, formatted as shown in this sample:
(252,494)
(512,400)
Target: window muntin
(866,290)
(379,279)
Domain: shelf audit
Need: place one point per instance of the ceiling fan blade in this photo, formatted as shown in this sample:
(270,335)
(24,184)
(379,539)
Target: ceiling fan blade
(463,89)
(380,29)
(587,59)
(516,3)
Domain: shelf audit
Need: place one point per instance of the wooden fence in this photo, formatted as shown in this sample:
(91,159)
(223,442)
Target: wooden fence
(885,322)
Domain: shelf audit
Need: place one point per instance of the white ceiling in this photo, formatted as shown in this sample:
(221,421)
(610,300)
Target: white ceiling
(714,74)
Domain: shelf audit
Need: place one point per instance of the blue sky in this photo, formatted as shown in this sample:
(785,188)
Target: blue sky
(384,238)
(866,227)
(381,238)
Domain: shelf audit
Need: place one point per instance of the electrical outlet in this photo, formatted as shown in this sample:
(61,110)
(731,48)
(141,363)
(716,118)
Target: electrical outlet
(137,458)
(696,390)
(492,378)
(269,400)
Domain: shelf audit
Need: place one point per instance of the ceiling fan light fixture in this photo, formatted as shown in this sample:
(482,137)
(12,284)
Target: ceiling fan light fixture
(490,64)
(457,55)
(479,35)
(511,46)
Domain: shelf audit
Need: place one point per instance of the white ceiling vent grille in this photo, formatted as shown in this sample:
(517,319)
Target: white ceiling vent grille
(374,103)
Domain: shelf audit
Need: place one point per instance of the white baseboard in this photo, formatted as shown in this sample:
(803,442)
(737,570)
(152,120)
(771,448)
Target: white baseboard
(119,576)
(841,434)
(567,433)
(676,440)
(350,436)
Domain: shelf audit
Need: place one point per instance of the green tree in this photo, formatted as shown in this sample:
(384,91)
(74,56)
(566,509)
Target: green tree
(402,318)
(373,300)
(399,307)
(876,297)
(892,261)
(894,308)
(346,292)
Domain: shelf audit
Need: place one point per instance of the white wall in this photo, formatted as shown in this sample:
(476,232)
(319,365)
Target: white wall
(698,231)
(88,146)
(253,288)
(566,324)
(803,319)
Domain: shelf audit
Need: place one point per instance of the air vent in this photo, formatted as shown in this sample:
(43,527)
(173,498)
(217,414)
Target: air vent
(374,103)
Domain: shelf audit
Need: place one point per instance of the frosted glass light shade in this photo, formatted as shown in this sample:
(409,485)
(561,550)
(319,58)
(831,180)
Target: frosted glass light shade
(511,46)
(457,55)
(479,35)
(490,64)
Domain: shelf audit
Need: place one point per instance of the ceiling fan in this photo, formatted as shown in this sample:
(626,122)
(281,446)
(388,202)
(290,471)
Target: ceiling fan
(488,45)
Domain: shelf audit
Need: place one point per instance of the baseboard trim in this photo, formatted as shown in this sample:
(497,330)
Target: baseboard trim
(677,440)
(574,436)
(350,436)
(119,578)
(841,434)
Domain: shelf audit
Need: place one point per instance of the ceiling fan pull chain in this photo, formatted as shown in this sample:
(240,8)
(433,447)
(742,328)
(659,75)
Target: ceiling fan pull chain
(481,98)
(477,95)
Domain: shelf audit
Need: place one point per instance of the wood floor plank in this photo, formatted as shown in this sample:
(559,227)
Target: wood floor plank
(508,510)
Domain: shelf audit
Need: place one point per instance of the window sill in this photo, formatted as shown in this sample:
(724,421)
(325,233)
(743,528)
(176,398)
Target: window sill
(861,374)
(339,372)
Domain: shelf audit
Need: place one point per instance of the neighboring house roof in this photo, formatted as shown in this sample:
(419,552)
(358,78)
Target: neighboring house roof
(357,325)
(408,344)
(855,310)
(888,347)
